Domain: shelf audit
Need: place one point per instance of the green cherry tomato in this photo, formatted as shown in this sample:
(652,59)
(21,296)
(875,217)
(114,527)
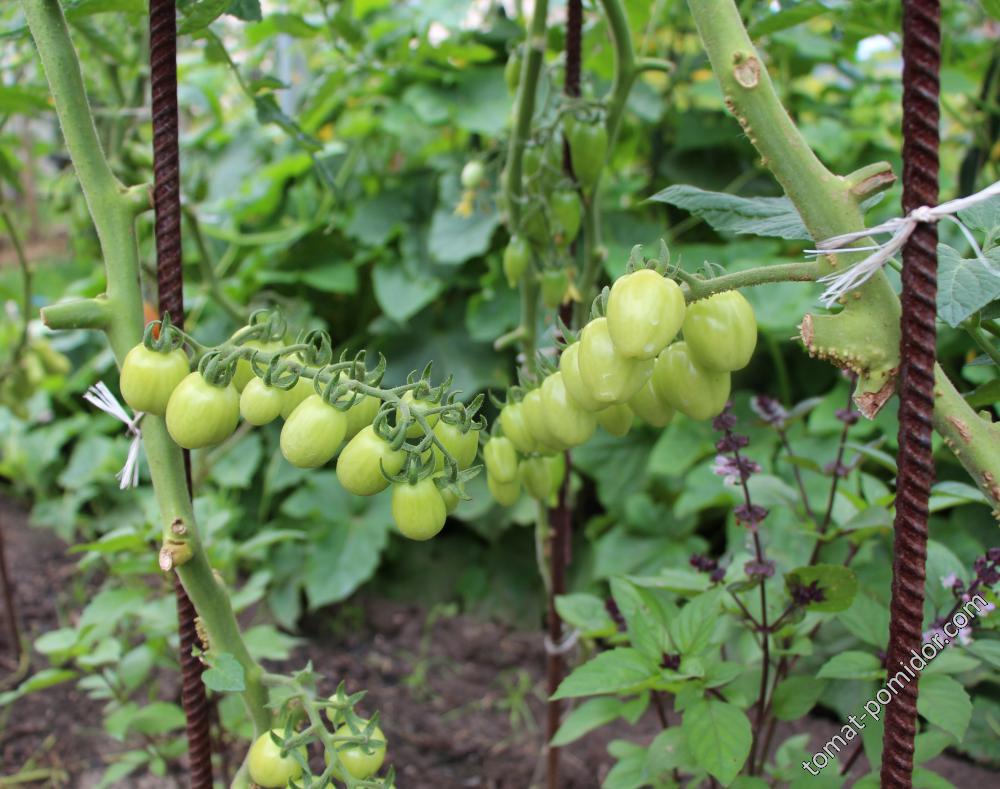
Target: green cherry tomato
(420,407)
(291,398)
(261,404)
(512,71)
(500,458)
(537,478)
(313,432)
(358,761)
(361,414)
(461,446)
(554,283)
(516,258)
(721,331)
(610,377)
(200,414)
(557,472)
(588,147)
(418,509)
(570,424)
(566,213)
(648,406)
(536,419)
(569,366)
(268,768)
(473,174)
(645,312)
(451,499)
(244,372)
(149,377)
(358,467)
(616,419)
(688,387)
(506,494)
(516,428)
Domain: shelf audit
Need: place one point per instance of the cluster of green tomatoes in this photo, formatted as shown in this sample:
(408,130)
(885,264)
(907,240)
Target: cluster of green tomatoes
(625,363)
(414,437)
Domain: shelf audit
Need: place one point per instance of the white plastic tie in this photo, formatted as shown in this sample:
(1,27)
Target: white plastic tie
(552,648)
(899,230)
(100,396)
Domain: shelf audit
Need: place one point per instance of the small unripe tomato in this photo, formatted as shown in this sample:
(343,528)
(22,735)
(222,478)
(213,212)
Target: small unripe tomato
(506,494)
(554,282)
(244,372)
(268,768)
(313,432)
(648,406)
(645,312)
(536,420)
(516,258)
(149,377)
(512,71)
(721,331)
(418,509)
(516,428)
(200,414)
(361,414)
(616,419)
(358,466)
(261,404)
(688,387)
(566,212)
(557,472)
(588,147)
(610,377)
(473,174)
(451,499)
(537,478)
(358,761)
(569,424)
(500,458)
(291,398)
(461,446)
(418,406)
(569,366)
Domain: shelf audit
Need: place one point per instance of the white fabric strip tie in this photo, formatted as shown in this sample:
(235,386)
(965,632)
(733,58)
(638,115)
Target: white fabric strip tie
(565,646)
(899,229)
(99,395)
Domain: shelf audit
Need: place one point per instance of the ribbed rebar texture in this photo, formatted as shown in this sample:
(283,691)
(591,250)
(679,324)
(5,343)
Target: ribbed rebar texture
(921,66)
(170,279)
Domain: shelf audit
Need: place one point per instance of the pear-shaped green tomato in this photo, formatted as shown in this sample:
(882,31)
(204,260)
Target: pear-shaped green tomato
(360,762)
(418,509)
(261,404)
(313,432)
(569,366)
(244,371)
(616,419)
(688,387)
(200,414)
(361,414)
(267,767)
(536,474)
(291,398)
(461,446)
(610,377)
(149,377)
(417,406)
(516,428)
(570,425)
(721,331)
(645,312)
(506,494)
(359,467)
(536,419)
(648,406)
(500,458)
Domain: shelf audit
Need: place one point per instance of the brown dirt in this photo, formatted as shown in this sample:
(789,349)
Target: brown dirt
(461,700)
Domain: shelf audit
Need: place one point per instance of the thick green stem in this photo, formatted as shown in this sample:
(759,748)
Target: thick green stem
(864,336)
(695,289)
(113,209)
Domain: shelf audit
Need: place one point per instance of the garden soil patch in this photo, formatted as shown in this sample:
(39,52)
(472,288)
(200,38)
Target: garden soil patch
(461,699)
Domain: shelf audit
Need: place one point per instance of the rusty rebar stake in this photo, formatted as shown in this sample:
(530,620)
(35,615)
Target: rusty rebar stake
(170,294)
(921,67)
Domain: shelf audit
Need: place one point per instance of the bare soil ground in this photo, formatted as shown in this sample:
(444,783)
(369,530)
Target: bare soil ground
(461,700)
